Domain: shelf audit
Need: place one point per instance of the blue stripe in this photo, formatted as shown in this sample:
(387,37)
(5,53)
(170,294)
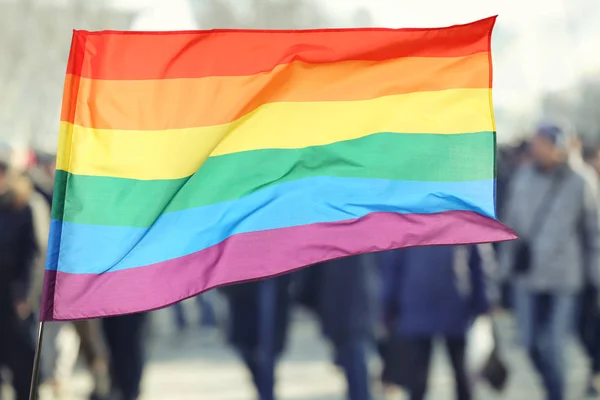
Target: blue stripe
(97,249)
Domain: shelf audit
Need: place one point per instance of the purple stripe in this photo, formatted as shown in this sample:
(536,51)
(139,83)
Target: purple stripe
(255,255)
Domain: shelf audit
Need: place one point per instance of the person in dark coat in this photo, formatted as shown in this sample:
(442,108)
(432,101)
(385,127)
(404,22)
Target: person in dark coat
(17,254)
(344,293)
(432,292)
(246,331)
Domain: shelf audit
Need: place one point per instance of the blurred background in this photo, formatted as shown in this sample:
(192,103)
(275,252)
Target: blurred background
(547,66)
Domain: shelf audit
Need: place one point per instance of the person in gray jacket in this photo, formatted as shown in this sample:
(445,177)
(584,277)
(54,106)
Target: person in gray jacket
(553,209)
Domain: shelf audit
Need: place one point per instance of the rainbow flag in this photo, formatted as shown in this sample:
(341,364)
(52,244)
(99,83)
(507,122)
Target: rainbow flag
(190,160)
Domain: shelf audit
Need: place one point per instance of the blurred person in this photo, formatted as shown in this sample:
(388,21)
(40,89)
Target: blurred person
(207,315)
(344,294)
(588,312)
(509,160)
(59,349)
(589,318)
(125,340)
(42,174)
(40,211)
(517,156)
(40,202)
(17,254)
(503,174)
(63,340)
(591,155)
(429,293)
(40,206)
(244,328)
(93,348)
(579,164)
(553,209)
(58,359)
(52,356)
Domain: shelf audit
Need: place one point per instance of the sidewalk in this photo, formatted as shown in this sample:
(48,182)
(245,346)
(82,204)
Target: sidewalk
(192,367)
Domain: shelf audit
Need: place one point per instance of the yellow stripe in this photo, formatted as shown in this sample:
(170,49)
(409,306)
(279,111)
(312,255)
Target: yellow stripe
(177,153)
(65,140)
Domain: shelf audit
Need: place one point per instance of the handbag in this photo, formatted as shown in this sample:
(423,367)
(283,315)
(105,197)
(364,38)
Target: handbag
(495,371)
(522,254)
(481,343)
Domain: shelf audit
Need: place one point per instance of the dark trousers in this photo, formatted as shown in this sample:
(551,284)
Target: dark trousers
(252,364)
(17,350)
(418,355)
(351,356)
(263,380)
(545,323)
(589,327)
(125,342)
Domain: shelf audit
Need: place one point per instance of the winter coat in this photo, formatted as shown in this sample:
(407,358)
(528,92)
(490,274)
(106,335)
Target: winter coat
(344,293)
(435,290)
(18,247)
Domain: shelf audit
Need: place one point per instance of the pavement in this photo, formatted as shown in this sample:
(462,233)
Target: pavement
(197,365)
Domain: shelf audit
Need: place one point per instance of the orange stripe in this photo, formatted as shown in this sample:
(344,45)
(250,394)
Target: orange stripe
(188,103)
(71,86)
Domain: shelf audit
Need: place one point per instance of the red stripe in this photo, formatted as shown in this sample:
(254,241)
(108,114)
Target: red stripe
(252,256)
(195,54)
(77,52)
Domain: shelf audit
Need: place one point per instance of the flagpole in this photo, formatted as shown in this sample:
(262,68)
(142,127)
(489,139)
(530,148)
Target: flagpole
(33,392)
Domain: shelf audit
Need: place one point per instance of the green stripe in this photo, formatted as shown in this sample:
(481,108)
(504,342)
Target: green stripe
(412,157)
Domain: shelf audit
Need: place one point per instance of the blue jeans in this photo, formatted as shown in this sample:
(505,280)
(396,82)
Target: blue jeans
(351,355)
(545,321)
(589,326)
(263,380)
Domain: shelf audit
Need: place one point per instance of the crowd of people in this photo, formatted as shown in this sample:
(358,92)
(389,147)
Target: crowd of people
(393,305)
